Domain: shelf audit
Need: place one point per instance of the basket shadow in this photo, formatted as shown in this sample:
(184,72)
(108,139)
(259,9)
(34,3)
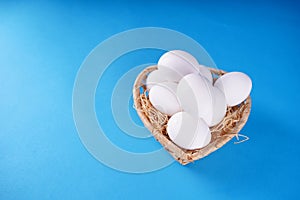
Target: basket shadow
(255,165)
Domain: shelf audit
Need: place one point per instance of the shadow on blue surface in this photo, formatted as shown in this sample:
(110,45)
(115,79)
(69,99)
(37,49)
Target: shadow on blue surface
(259,164)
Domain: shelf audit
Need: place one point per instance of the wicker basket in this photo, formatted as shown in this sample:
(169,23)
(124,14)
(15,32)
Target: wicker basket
(156,122)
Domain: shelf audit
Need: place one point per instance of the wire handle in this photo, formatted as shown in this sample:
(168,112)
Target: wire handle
(238,139)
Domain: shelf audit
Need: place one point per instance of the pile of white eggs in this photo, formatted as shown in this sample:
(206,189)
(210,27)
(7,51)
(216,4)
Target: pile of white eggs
(185,90)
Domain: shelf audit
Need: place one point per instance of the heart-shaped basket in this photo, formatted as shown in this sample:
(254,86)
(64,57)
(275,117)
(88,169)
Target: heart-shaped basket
(156,122)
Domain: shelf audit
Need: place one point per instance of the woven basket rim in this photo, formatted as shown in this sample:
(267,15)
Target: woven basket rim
(182,155)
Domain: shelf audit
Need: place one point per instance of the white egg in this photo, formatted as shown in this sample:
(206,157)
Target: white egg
(163,98)
(162,75)
(219,106)
(188,132)
(195,96)
(236,87)
(178,61)
(204,71)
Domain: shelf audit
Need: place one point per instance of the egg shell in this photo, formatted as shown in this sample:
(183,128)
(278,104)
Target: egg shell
(236,86)
(219,106)
(179,61)
(163,98)
(204,71)
(195,96)
(188,132)
(162,75)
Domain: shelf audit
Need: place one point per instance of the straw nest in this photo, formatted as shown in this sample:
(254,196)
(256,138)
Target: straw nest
(156,122)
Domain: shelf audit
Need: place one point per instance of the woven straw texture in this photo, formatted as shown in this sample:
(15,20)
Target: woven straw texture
(156,122)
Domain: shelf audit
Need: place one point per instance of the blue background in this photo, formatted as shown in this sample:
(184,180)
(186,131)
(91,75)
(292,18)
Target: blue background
(42,46)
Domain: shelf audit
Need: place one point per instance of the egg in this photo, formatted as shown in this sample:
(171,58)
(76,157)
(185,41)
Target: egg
(204,71)
(236,86)
(179,61)
(219,106)
(162,75)
(163,97)
(188,132)
(195,96)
